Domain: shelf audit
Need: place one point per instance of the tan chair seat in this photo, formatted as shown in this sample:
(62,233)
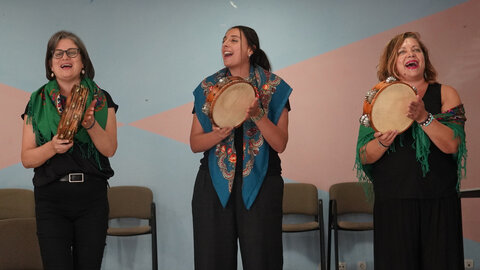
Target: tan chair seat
(355,226)
(128,231)
(301,227)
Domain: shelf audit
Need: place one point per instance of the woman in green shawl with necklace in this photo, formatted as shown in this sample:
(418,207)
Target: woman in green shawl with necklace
(416,174)
(70,177)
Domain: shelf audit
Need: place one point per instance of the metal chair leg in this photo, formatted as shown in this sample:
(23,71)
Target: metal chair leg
(321,235)
(153,226)
(329,244)
(335,232)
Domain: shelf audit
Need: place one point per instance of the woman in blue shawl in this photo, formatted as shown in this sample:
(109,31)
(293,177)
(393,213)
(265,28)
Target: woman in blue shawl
(416,174)
(238,190)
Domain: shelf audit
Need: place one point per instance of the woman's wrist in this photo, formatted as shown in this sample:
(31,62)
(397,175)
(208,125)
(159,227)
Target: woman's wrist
(258,116)
(427,121)
(382,145)
(93,124)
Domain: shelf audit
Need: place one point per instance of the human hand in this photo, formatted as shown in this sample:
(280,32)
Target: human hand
(386,139)
(254,111)
(222,132)
(89,116)
(60,146)
(416,110)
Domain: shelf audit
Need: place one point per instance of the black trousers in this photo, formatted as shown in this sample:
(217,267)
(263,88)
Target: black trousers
(72,222)
(258,230)
(418,234)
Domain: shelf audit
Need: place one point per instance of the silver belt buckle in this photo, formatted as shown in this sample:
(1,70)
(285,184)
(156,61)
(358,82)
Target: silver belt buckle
(75,178)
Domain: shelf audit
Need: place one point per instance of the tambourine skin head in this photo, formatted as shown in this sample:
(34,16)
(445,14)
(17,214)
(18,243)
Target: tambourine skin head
(388,108)
(228,105)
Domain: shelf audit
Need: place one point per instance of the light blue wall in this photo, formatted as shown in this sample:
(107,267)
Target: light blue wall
(150,55)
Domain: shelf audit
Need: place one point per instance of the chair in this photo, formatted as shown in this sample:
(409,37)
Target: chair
(19,247)
(346,198)
(134,202)
(302,199)
(16,203)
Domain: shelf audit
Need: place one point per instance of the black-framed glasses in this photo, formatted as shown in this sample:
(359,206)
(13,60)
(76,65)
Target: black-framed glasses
(71,52)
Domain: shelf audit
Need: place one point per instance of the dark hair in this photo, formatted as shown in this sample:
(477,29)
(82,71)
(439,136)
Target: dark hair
(52,44)
(258,57)
(387,64)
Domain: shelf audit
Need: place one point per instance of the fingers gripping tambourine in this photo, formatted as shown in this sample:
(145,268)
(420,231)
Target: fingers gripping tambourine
(73,113)
(385,106)
(228,100)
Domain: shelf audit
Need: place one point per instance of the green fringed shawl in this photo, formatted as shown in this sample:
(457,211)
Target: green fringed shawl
(453,118)
(44,112)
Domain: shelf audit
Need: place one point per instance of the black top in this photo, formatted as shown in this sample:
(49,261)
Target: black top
(72,161)
(274,162)
(397,174)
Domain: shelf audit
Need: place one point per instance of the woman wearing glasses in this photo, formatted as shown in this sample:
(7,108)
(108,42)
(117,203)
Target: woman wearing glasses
(70,177)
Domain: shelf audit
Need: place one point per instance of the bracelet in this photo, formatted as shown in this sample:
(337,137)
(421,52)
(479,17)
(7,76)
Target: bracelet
(259,115)
(427,121)
(93,124)
(381,144)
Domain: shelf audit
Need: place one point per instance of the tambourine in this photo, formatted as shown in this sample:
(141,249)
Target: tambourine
(228,100)
(386,104)
(73,113)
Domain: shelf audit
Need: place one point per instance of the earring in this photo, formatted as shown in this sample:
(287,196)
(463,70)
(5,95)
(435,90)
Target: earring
(83,71)
(52,75)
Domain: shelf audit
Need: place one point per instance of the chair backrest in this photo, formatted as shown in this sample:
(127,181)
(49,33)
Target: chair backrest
(350,198)
(130,202)
(16,203)
(300,198)
(19,247)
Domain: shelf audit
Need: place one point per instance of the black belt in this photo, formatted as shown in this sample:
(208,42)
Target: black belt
(73,178)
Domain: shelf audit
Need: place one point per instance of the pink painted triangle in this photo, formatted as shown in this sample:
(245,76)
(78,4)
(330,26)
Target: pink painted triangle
(13,107)
(174,124)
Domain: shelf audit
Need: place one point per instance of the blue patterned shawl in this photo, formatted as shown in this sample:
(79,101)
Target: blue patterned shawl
(273,95)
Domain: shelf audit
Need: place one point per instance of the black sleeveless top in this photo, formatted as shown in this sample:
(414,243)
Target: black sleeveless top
(397,174)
